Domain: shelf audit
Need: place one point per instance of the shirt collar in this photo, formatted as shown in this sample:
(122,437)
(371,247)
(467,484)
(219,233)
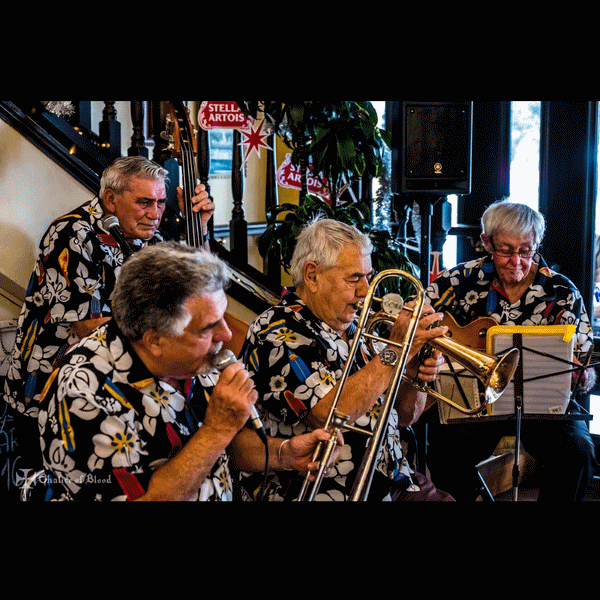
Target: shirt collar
(137,376)
(290,299)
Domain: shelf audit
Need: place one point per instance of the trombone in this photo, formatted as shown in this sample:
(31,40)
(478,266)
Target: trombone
(494,372)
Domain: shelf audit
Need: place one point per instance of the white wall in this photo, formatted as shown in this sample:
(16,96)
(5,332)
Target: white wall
(34,190)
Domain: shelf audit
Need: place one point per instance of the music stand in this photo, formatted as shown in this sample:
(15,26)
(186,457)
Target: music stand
(540,388)
(541,376)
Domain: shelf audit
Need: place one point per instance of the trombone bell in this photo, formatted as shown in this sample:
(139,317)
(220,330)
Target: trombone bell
(494,372)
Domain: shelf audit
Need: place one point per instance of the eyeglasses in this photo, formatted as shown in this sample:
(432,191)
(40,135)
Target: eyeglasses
(506,253)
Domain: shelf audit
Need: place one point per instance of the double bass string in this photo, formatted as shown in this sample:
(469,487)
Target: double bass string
(192,219)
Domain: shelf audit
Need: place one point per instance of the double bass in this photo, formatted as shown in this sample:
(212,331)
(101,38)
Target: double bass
(185,149)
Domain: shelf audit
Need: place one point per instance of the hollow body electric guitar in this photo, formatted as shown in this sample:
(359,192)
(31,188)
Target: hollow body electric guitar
(472,335)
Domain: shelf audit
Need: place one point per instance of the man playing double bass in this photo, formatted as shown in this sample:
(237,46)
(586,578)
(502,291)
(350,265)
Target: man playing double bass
(514,286)
(76,268)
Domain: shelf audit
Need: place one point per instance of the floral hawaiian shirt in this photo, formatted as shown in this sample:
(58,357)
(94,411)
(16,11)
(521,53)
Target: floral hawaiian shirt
(106,424)
(472,290)
(295,360)
(74,275)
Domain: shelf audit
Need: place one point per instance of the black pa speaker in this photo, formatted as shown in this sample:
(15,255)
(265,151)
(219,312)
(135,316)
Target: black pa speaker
(436,147)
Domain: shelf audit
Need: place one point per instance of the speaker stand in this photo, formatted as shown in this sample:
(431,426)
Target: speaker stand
(426,202)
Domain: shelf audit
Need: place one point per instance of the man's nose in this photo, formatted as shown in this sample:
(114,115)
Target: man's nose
(222,333)
(153,212)
(362,287)
(515,258)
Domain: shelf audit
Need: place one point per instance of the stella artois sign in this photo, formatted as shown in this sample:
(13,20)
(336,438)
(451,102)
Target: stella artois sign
(289,176)
(221,114)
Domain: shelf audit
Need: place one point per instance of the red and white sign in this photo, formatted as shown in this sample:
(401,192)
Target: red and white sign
(288,176)
(226,114)
(221,114)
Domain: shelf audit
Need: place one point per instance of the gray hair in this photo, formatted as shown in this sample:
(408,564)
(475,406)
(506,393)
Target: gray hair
(321,241)
(116,176)
(517,219)
(156,282)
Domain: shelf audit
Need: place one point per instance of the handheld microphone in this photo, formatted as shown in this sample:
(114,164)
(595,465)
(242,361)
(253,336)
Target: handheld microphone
(111,224)
(223,359)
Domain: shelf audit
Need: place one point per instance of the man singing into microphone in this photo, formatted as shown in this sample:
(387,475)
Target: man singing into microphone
(137,411)
(74,275)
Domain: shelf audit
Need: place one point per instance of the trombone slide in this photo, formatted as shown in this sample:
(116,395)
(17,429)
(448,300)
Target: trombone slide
(494,372)
(362,483)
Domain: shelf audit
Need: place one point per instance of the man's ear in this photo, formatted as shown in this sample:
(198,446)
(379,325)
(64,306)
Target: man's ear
(487,242)
(309,275)
(109,202)
(153,343)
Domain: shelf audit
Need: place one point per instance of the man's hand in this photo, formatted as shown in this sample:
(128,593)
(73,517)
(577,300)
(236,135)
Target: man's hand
(232,400)
(424,333)
(296,452)
(201,202)
(429,369)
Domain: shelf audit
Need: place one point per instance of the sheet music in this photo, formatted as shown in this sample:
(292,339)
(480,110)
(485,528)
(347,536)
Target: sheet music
(449,389)
(544,350)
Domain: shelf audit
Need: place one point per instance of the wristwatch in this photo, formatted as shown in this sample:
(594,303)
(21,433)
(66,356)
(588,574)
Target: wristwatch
(388,357)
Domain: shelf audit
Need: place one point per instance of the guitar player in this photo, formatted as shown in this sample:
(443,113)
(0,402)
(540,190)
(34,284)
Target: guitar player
(513,285)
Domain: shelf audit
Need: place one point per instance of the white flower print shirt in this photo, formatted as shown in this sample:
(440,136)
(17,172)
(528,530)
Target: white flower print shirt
(107,424)
(295,359)
(72,280)
(472,290)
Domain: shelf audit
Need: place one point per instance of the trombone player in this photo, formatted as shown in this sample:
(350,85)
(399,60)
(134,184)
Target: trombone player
(295,353)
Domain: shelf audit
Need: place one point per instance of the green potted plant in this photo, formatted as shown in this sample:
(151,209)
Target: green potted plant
(342,141)
(340,138)
(387,252)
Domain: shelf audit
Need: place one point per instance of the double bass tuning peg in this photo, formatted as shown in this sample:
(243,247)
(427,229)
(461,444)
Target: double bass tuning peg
(168,133)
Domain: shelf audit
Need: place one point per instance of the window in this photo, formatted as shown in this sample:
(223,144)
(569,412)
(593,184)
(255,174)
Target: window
(524,164)
(525,152)
(449,251)
(380,187)
(221,151)
(595,316)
